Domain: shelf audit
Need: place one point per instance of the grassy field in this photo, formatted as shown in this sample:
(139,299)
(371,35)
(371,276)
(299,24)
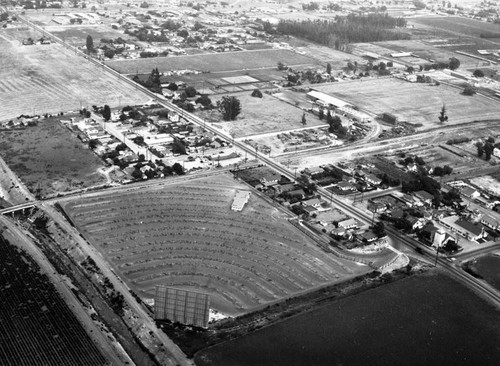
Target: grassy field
(217,62)
(185,235)
(50,156)
(49,78)
(262,115)
(413,102)
(422,320)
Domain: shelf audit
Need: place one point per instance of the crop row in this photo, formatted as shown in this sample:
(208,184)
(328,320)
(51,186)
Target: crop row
(36,325)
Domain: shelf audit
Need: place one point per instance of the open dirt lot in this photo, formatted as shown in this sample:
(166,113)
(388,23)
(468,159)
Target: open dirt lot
(186,235)
(262,115)
(215,62)
(49,78)
(488,183)
(413,102)
(50,156)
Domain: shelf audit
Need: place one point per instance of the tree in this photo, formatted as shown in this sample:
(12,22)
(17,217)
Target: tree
(480,149)
(478,73)
(178,169)
(334,121)
(488,150)
(257,93)
(178,148)
(321,114)
(172,86)
(442,115)
(204,100)
(190,91)
(379,229)
(109,53)
(154,81)
(454,63)
(328,69)
(90,43)
(93,143)
(230,107)
(106,113)
(281,66)
(139,140)
(137,174)
(303,120)
(410,70)
(469,90)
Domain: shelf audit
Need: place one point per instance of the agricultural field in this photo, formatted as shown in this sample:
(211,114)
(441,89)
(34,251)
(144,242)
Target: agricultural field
(186,235)
(261,116)
(36,326)
(416,103)
(426,319)
(212,63)
(42,79)
(48,156)
(460,26)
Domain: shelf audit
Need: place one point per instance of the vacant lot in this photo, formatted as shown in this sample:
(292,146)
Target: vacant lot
(49,78)
(262,115)
(50,157)
(421,320)
(413,102)
(216,62)
(187,236)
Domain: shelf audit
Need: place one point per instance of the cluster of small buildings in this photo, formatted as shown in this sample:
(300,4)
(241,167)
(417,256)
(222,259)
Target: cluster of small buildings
(467,219)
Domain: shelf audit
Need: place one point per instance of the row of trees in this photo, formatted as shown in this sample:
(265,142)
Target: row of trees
(345,30)
(487,148)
